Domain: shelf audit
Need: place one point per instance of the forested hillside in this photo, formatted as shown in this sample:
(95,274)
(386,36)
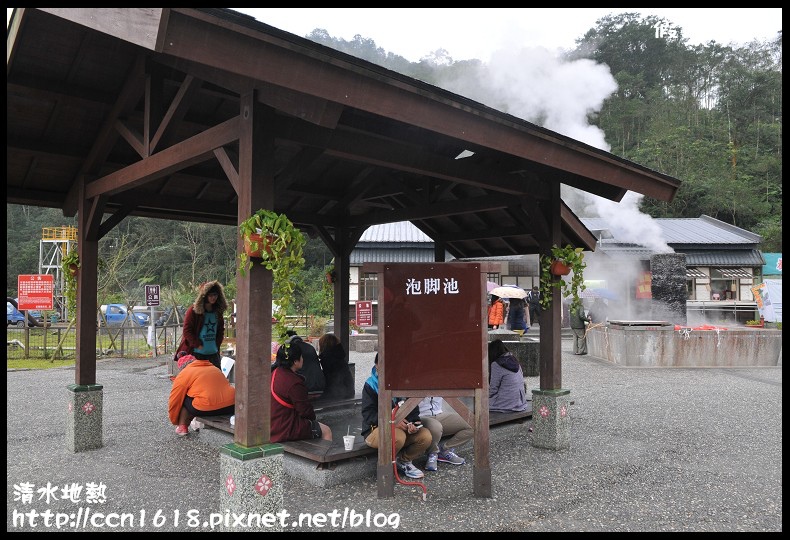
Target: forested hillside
(709,115)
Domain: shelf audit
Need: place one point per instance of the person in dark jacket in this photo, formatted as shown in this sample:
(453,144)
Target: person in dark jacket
(410,440)
(506,389)
(311,371)
(292,415)
(517,316)
(533,301)
(339,382)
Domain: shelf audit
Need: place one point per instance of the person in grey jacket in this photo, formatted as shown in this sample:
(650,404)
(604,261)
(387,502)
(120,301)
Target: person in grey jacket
(506,390)
(578,321)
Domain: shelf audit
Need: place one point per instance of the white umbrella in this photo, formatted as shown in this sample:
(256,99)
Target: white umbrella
(509,292)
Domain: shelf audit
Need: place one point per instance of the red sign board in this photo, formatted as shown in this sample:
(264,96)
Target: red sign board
(643,285)
(35,291)
(433,316)
(364,313)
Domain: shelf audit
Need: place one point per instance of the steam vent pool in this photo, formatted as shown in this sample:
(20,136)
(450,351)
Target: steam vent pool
(662,344)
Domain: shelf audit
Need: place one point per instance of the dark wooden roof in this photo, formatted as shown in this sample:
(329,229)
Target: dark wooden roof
(354,144)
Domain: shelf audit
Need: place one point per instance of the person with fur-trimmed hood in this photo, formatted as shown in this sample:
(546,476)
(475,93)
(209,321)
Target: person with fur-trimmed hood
(204,323)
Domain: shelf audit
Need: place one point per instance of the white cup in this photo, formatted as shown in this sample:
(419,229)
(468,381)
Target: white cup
(348,441)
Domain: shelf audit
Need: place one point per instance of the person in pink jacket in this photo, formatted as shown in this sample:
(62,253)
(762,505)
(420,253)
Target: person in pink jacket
(200,389)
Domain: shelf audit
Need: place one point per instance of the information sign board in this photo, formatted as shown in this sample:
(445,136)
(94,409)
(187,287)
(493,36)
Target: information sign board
(364,313)
(152,295)
(35,291)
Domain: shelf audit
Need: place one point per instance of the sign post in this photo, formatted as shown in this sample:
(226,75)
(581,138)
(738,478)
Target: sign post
(152,300)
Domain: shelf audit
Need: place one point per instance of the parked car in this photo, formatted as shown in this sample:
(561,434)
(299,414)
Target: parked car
(166,318)
(116,314)
(13,316)
(17,318)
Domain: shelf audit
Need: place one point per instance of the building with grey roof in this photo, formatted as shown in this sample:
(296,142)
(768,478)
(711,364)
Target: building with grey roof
(723,262)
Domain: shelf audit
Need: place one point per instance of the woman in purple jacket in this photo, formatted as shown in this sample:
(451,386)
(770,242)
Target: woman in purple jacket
(506,389)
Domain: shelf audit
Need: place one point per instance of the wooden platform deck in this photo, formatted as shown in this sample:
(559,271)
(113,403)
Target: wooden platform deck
(323,452)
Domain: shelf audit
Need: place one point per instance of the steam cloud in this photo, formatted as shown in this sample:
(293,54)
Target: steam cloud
(542,87)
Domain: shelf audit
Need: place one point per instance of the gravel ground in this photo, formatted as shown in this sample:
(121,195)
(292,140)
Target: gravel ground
(664,449)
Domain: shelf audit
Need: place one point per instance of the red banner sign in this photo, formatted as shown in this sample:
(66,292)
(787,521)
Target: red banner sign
(643,285)
(364,313)
(35,291)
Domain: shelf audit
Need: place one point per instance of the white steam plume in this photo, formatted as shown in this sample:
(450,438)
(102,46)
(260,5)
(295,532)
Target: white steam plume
(562,95)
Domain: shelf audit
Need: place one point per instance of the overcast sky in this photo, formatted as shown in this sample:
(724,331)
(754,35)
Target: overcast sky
(477,32)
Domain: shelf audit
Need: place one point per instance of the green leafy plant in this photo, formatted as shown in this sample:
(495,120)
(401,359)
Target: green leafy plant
(574,259)
(280,245)
(317,326)
(70,266)
(352,325)
(329,272)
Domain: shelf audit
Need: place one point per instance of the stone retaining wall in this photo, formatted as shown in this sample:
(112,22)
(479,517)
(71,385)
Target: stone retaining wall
(687,347)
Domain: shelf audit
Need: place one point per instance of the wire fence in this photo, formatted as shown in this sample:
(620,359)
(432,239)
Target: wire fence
(129,340)
(58,341)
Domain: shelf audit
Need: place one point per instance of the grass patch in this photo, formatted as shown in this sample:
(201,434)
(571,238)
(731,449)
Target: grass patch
(38,363)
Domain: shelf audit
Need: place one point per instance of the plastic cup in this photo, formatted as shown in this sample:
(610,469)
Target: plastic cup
(348,441)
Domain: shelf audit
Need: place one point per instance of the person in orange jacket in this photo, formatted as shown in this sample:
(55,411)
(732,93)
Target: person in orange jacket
(200,389)
(496,312)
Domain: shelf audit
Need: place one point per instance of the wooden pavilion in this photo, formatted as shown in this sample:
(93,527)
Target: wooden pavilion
(207,115)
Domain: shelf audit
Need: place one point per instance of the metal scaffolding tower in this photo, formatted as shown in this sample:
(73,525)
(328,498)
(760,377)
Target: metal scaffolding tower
(56,243)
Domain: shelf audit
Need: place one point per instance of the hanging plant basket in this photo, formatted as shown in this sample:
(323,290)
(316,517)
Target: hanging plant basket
(559,268)
(561,262)
(255,244)
(278,245)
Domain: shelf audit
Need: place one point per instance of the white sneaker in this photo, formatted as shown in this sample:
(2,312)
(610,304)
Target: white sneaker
(430,464)
(407,468)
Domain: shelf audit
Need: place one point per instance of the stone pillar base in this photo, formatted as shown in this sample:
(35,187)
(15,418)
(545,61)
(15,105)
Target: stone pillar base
(251,484)
(551,419)
(84,418)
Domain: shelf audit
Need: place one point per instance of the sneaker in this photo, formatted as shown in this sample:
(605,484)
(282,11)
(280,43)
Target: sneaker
(446,455)
(408,469)
(182,430)
(431,465)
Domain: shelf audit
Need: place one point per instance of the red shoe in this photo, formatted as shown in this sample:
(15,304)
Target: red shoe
(182,430)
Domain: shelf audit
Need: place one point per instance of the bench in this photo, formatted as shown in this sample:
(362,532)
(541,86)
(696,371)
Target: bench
(320,405)
(323,405)
(496,418)
(326,452)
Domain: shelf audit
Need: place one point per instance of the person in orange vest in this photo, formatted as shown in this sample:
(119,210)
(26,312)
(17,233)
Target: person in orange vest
(496,312)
